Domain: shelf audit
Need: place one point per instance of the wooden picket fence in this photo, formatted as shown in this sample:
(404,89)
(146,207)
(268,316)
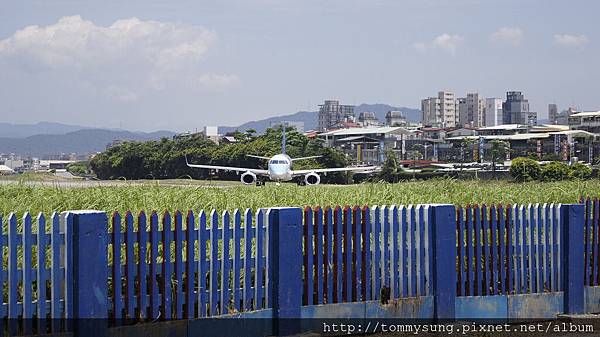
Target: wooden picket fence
(508,250)
(187,267)
(176,266)
(350,254)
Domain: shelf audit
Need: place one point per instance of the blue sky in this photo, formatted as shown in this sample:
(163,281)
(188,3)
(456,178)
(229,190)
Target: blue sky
(180,65)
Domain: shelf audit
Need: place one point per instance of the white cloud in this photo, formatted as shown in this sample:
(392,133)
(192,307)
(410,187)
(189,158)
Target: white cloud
(128,56)
(507,35)
(567,40)
(444,42)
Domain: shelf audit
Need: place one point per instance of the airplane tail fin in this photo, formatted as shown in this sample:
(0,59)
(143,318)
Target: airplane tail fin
(283,140)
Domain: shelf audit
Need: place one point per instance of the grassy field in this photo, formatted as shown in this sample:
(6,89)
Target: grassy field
(18,197)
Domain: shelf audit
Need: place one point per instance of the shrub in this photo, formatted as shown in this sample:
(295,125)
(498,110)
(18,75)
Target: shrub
(555,171)
(525,169)
(580,171)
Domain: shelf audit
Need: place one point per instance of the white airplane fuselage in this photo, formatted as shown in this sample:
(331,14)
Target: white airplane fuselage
(280,168)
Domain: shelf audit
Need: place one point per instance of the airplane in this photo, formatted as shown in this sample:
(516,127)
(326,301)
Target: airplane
(280,169)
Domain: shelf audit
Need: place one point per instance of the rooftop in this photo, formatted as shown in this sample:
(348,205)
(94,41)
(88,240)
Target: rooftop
(367,131)
(586,114)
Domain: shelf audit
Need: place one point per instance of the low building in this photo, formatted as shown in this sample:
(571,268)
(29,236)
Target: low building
(368,145)
(586,120)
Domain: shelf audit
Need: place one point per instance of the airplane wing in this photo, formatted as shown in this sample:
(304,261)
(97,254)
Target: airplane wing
(358,169)
(229,168)
(302,158)
(259,157)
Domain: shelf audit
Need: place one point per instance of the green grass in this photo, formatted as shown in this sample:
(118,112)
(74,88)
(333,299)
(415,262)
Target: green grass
(155,196)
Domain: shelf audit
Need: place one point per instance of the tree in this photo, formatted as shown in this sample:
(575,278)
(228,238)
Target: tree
(580,171)
(525,169)
(465,144)
(555,171)
(391,168)
(498,151)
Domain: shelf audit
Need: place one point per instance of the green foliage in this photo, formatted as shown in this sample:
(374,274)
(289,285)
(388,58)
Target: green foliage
(555,171)
(165,159)
(551,157)
(525,169)
(580,171)
(79,168)
(391,168)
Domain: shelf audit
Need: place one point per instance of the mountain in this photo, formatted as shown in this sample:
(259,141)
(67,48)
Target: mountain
(310,117)
(47,128)
(85,141)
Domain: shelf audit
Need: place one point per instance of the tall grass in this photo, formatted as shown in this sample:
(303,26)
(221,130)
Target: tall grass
(151,196)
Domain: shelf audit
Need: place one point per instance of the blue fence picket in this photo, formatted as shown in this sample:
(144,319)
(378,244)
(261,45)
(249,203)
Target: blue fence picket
(179,269)
(142,267)
(460,252)
(27,274)
(485,251)
(376,253)
(347,255)
(357,254)
(338,261)
(247,285)
(394,252)
(402,254)
(117,303)
(225,263)
(596,241)
(154,268)
(319,253)
(13,278)
(190,265)
(495,245)
(384,244)
(42,273)
(505,249)
(259,291)
(366,254)
(55,272)
(307,297)
(420,242)
(411,256)
(478,242)
(166,290)
(470,289)
(531,248)
(586,243)
(130,266)
(236,261)
(203,267)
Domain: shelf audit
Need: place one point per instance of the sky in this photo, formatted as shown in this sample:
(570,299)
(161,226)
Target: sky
(180,65)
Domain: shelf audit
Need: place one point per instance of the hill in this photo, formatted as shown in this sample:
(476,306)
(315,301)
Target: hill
(11,130)
(85,141)
(310,117)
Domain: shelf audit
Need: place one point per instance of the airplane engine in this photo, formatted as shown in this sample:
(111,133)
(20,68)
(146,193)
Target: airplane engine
(312,179)
(248,178)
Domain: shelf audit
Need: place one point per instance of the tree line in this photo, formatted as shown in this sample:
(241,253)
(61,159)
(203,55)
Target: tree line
(165,159)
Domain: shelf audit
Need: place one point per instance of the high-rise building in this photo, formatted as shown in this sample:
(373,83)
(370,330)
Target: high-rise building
(332,112)
(493,111)
(471,110)
(553,113)
(515,110)
(440,111)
